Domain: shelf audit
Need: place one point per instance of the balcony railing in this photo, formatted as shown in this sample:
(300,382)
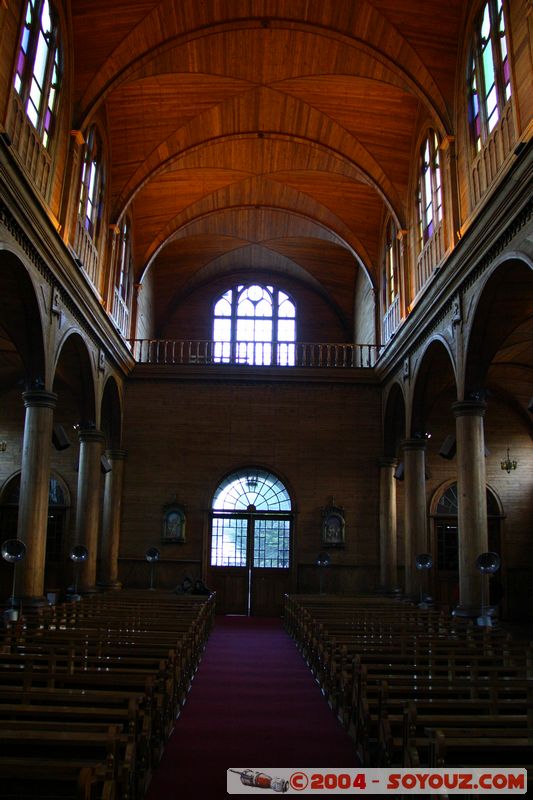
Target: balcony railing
(256,354)
(391,319)
(120,313)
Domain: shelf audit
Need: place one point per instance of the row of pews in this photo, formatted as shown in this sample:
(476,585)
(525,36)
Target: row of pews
(415,687)
(90,691)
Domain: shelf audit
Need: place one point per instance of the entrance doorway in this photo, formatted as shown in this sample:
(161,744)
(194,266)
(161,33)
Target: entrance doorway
(250,543)
(446,544)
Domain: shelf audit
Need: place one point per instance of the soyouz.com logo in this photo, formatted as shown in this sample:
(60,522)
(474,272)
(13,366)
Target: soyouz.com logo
(249,780)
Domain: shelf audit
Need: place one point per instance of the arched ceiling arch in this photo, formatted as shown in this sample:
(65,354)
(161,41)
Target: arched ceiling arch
(310,109)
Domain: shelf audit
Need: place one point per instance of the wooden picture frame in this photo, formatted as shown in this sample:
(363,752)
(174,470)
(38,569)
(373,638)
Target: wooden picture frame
(333,527)
(173,526)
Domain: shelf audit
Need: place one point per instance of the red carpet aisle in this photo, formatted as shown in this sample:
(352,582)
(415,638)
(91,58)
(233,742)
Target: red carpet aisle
(253,703)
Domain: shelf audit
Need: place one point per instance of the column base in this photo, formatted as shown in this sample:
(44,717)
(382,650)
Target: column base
(29,602)
(484,616)
(112,586)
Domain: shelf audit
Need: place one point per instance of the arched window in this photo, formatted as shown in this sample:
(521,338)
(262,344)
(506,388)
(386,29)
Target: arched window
(446,514)
(429,189)
(391,281)
(123,280)
(90,206)
(92,184)
(255,324)
(251,521)
(489,72)
(58,505)
(38,68)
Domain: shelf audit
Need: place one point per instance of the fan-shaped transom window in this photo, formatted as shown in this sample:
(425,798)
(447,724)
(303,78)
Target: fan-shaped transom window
(255,324)
(257,489)
(448,505)
(251,522)
(37,70)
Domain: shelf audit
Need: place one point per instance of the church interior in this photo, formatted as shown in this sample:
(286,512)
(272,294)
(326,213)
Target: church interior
(266,316)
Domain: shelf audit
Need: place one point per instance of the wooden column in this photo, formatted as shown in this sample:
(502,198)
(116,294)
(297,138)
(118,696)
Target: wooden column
(34,489)
(88,502)
(111,519)
(472,500)
(388,559)
(415,524)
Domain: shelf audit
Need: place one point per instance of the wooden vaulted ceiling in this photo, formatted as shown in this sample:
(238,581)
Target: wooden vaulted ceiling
(276,133)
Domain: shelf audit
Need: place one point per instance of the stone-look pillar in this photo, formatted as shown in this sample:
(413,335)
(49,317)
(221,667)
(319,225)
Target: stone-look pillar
(472,500)
(88,502)
(388,559)
(415,524)
(34,489)
(111,520)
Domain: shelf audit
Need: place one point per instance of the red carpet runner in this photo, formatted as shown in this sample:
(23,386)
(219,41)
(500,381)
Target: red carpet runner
(253,704)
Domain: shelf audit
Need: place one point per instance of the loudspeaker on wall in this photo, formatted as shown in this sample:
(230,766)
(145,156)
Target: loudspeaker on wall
(105,465)
(448,447)
(398,472)
(60,439)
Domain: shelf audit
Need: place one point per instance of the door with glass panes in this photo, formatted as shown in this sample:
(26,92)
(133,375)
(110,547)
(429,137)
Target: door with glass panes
(250,547)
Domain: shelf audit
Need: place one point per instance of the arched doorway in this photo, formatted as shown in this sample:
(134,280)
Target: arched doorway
(250,543)
(445,542)
(57,525)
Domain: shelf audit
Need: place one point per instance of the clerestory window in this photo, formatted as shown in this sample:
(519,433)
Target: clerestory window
(38,67)
(255,324)
(429,189)
(92,184)
(489,72)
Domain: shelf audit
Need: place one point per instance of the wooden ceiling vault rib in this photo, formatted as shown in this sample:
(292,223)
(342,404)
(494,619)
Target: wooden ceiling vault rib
(281,129)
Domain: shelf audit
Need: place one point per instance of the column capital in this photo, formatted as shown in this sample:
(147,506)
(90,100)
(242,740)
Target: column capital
(90,435)
(469,408)
(39,398)
(116,455)
(413,444)
(387,461)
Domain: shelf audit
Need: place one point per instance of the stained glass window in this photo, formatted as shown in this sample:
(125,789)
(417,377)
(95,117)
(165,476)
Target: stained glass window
(92,184)
(255,324)
(489,73)
(38,67)
(429,189)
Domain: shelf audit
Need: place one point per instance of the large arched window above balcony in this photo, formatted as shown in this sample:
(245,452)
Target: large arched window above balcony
(123,279)
(255,324)
(429,189)
(90,206)
(391,281)
(489,73)
(38,67)
(430,230)
(491,126)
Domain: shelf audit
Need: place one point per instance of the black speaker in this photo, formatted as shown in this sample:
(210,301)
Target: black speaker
(60,439)
(530,406)
(105,465)
(448,447)
(398,472)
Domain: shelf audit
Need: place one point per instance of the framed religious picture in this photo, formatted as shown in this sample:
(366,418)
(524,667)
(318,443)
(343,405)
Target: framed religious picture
(333,526)
(173,524)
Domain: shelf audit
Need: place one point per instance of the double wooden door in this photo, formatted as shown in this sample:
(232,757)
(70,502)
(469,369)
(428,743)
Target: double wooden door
(250,561)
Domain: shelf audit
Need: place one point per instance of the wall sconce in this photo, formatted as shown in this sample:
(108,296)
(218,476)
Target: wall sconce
(508,464)
(3,447)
